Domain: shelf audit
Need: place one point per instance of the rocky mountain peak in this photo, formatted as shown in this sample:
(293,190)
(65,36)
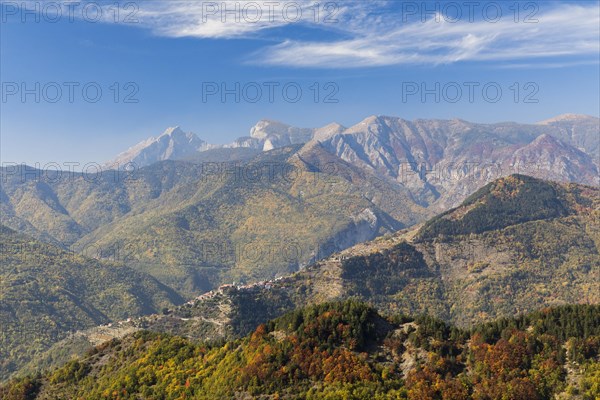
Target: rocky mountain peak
(373,120)
(173,131)
(328,131)
(568,118)
(173,143)
(265,128)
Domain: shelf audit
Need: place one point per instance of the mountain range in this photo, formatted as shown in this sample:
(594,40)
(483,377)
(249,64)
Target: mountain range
(418,217)
(175,144)
(421,141)
(517,245)
(196,215)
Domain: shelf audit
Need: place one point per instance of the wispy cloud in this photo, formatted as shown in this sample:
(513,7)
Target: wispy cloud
(564,31)
(231,19)
(375,33)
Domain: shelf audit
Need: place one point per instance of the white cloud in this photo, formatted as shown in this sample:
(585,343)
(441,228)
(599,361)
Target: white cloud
(564,31)
(228,19)
(374,33)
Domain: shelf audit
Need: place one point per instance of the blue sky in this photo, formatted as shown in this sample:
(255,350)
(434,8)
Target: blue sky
(369,57)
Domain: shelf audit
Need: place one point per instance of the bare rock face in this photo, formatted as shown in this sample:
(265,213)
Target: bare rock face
(363,227)
(443,161)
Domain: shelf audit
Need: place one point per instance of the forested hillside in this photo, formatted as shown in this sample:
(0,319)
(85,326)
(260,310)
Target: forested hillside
(46,293)
(345,350)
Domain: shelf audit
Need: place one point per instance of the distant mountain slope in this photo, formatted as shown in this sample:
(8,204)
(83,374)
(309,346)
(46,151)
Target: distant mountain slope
(46,292)
(345,350)
(223,155)
(254,221)
(517,245)
(197,225)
